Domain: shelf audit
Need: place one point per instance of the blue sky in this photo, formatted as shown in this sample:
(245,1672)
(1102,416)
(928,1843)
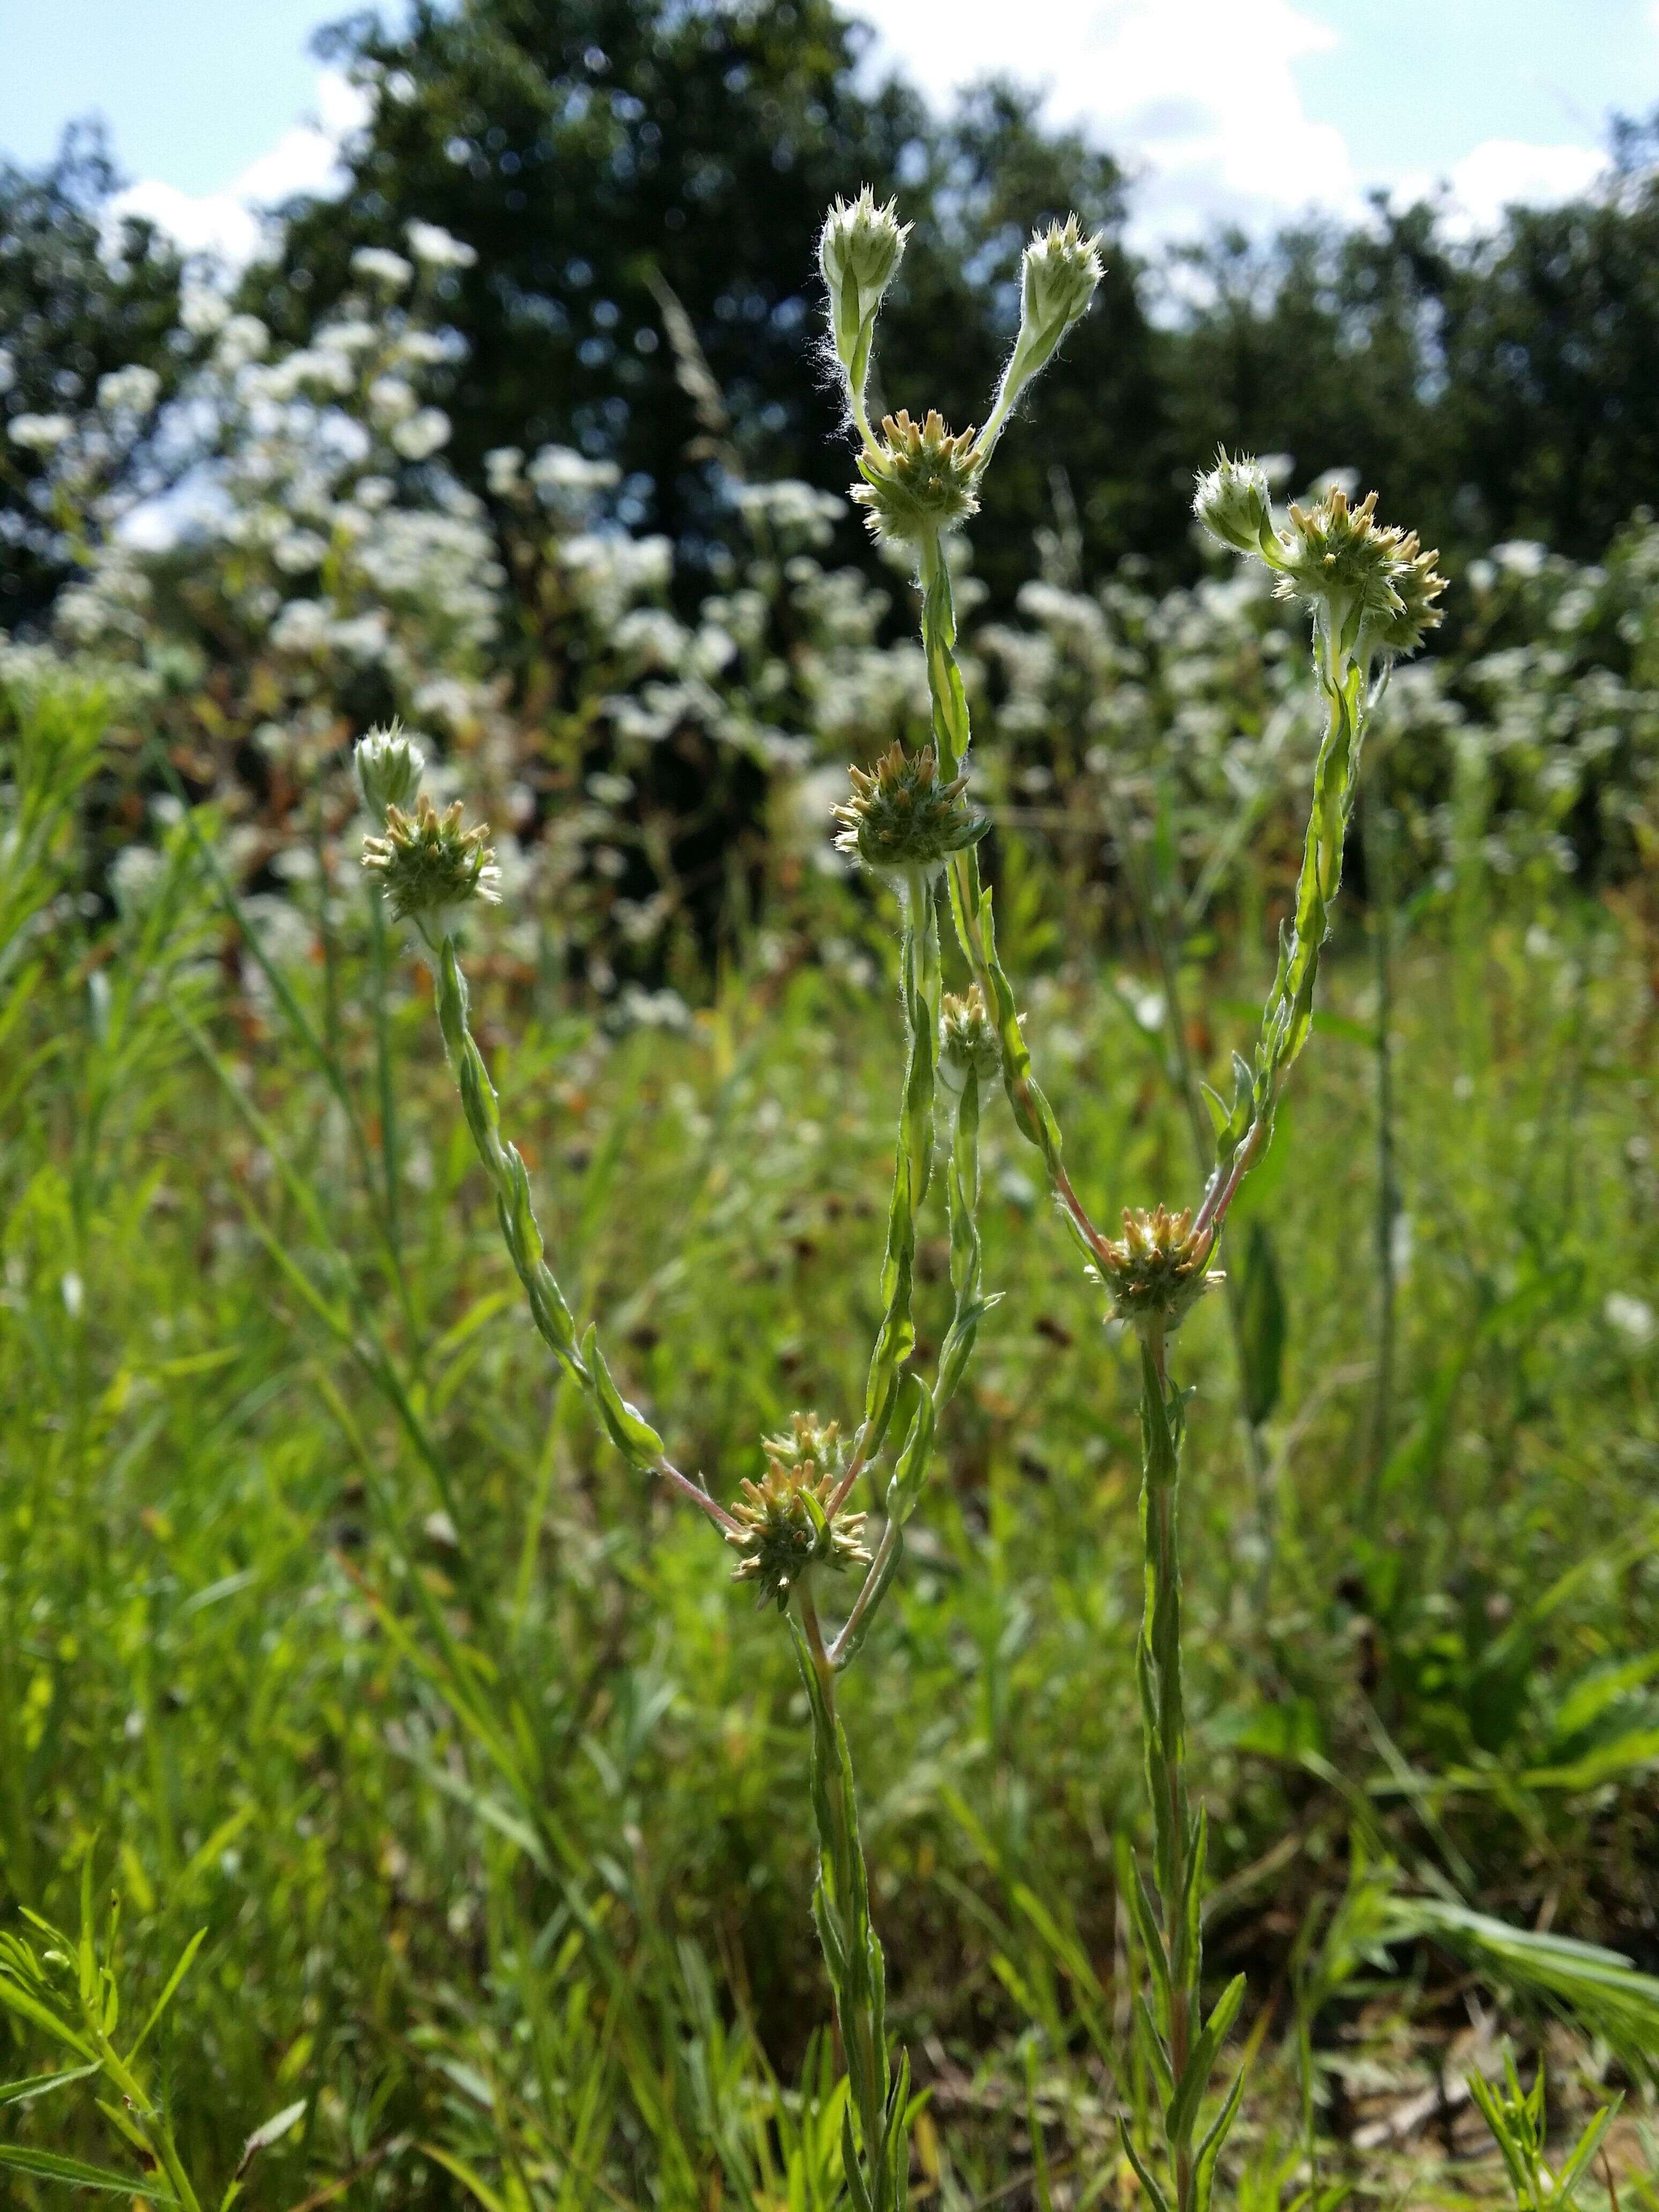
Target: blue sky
(1247,109)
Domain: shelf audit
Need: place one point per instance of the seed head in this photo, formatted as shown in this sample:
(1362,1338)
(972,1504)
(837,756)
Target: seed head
(1057,277)
(860,249)
(919,481)
(901,817)
(968,1042)
(390,765)
(432,866)
(1155,1274)
(1233,503)
(784,1524)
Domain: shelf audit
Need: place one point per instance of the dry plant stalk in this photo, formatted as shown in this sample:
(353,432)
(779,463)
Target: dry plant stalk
(1371,592)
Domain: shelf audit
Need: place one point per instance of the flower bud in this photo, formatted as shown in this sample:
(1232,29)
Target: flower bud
(1058,277)
(432,866)
(859,248)
(1156,1273)
(389,765)
(783,1525)
(1234,504)
(901,818)
(919,481)
(968,1041)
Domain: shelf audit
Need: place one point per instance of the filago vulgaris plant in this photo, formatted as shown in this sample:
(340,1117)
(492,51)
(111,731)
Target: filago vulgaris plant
(798,1534)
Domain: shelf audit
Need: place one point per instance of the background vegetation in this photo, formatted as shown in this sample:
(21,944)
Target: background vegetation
(328,1624)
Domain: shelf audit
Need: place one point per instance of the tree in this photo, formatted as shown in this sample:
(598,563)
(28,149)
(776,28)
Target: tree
(78,299)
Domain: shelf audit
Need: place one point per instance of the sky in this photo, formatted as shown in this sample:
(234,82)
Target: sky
(1238,111)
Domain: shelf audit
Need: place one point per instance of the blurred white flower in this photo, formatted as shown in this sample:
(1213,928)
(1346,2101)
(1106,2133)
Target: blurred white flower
(1632,1317)
(392,399)
(299,550)
(430,243)
(130,390)
(422,435)
(301,627)
(379,265)
(651,637)
(202,311)
(8,372)
(243,339)
(39,433)
(502,465)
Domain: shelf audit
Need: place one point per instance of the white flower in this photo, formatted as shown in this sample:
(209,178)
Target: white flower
(391,399)
(569,481)
(8,372)
(422,434)
(652,637)
(130,390)
(377,265)
(202,311)
(299,550)
(1632,1317)
(39,433)
(244,339)
(301,627)
(501,466)
(430,243)
(1521,556)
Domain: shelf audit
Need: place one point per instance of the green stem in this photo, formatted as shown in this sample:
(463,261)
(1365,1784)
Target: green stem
(877,2165)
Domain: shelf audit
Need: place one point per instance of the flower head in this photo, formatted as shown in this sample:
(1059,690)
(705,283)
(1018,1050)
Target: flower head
(1057,279)
(1234,504)
(919,481)
(968,1041)
(902,817)
(389,765)
(432,866)
(1155,1272)
(784,1523)
(860,249)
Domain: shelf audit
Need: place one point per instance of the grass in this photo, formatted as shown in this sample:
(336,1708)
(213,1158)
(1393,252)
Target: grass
(329,1623)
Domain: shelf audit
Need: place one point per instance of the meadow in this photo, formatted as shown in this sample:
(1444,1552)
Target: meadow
(337,1632)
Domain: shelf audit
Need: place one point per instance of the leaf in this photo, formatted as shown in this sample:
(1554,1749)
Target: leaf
(631,1433)
(50,2167)
(1262,1325)
(169,1993)
(38,2085)
(270,2131)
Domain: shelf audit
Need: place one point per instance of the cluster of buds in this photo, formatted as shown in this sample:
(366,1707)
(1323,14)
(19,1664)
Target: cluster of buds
(968,1041)
(784,1524)
(860,249)
(921,480)
(1374,586)
(432,866)
(1155,1272)
(902,819)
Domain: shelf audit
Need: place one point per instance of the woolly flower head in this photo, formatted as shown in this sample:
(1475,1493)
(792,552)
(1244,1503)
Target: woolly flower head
(860,249)
(390,765)
(919,481)
(1057,279)
(1233,502)
(901,819)
(1155,1273)
(433,866)
(968,1042)
(784,1524)
(1373,586)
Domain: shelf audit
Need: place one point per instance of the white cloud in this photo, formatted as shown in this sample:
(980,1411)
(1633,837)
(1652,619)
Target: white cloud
(1199,96)
(1504,172)
(231,224)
